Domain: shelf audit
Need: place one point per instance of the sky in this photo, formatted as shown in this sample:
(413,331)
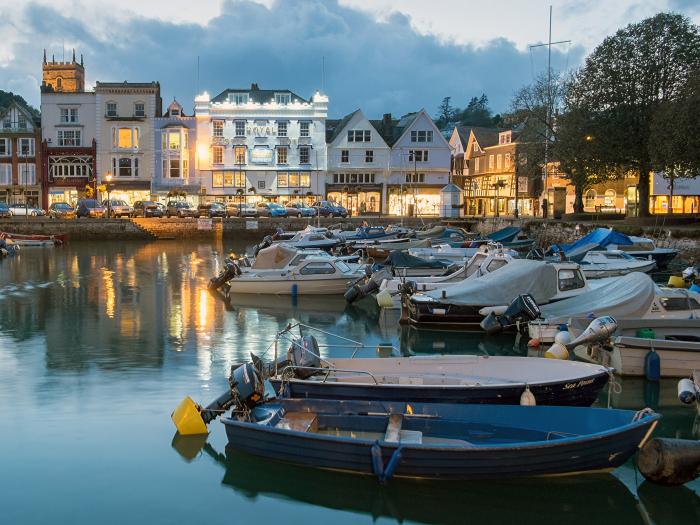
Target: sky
(382,56)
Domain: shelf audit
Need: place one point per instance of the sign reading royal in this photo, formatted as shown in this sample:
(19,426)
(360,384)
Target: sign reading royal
(261,129)
(261,156)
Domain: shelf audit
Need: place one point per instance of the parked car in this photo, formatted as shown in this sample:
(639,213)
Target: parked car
(146,209)
(24,209)
(241,210)
(211,209)
(117,208)
(61,210)
(5,210)
(271,209)
(297,209)
(90,208)
(330,209)
(162,208)
(180,209)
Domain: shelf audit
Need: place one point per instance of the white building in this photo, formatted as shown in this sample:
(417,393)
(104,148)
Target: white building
(419,166)
(358,164)
(254,143)
(125,137)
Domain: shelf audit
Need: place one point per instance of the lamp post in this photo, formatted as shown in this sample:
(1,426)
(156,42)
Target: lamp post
(108,179)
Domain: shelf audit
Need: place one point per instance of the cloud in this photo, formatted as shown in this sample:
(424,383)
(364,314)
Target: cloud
(380,66)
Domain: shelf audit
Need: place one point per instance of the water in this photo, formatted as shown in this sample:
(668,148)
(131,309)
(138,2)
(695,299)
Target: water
(100,341)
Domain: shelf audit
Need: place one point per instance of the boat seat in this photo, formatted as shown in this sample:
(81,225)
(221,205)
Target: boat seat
(393,429)
(299,422)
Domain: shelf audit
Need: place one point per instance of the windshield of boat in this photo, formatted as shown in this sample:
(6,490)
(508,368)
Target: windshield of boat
(474,263)
(679,303)
(570,280)
(343,267)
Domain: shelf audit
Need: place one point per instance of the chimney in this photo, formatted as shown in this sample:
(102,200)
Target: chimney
(386,119)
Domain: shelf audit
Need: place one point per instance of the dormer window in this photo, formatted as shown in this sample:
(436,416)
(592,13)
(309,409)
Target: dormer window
(111,109)
(175,112)
(283,98)
(239,98)
(505,137)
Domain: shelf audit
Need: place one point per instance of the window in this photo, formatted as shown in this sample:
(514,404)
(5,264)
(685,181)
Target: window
(507,160)
(6,123)
(505,138)
(5,174)
(422,136)
(281,129)
(125,138)
(353,178)
(490,162)
(476,164)
(282,180)
(218,130)
(173,140)
(369,155)
(413,178)
(304,180)
(21,122)
(69,137)
(499,161)
(239,154)
(185,168)
(175,112)
(139,109)
(359,135)
(344,155)
(282,155)
(5,148)
(590,199)
(418,155)
(67,166)
(609,198)
(218,155)
(174,169)
(69,115)
(111,109)
(304,155)
(240,128)
(261,184)
(27,174)
(239,98)
(304,129)
(124,167)
(26,147)
(570,280)
(317,268)
(283,98)
(294,180)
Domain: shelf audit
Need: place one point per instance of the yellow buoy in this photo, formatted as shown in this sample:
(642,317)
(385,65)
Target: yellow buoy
(557,351)
(188,418)
(384,299)
(676,281)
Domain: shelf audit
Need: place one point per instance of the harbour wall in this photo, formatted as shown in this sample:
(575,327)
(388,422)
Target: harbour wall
(684,237)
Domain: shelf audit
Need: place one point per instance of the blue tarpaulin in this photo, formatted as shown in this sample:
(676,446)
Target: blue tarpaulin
(600,237)
(506,234)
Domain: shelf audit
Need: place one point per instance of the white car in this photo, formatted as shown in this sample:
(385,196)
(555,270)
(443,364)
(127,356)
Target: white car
(22,209)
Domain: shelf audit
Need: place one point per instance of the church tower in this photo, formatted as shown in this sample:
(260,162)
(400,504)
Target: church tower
(66,77)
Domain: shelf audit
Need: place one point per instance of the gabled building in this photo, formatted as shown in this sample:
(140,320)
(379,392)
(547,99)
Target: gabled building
(20,156)
(458,141)
(358,163)
(68,145)
(419,166)
(261,144)
(125,118)
(492,185)
(175,143)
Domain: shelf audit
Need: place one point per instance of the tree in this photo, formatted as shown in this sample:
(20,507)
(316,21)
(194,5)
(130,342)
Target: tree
(477,112)
(7,97)
(446,113)
(626,80)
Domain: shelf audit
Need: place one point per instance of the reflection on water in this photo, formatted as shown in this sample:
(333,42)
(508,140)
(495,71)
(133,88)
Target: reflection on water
(99,341)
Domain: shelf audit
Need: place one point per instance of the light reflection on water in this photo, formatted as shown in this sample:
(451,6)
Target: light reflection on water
(99,342)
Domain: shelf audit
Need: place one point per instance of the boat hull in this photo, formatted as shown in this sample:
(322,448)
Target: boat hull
(336,286)
(595,271)
(441,315)
(595,452)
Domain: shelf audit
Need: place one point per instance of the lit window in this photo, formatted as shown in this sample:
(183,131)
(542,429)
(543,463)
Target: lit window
(294,180)
(490,162)
(185,168)
(282,180)
(218,155)
(499,161)
(282,155)
(305,180)
(304,155)
(239,154)
(507,160)
(174,140)
(304,129)
(127,138)
(217,179)
(344,156)
(218,128)
(240,128)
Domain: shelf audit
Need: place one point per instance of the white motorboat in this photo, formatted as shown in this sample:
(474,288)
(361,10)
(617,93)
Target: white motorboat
(676,341)
(280,257)
(613,263)
(445,252)
(632,296)
(312,238)
(645,248)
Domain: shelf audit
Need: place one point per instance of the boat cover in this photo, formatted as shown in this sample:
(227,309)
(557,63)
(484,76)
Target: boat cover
(435,231)
(274,257)
(601,237)
(506,234)
(623,297)
(399,259)
(501,286)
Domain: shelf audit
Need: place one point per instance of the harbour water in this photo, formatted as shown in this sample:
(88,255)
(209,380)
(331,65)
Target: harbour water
(100,341)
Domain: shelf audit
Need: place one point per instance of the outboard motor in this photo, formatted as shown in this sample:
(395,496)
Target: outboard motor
(265,243)
(408,288)
(523,308)
(230,271)
(366,285)
(599,330)
(304,352)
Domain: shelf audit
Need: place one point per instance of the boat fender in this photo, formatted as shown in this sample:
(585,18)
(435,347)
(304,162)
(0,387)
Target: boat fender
(557,351)
(497,310)
(652,366)
(563,336)
(384,299)
(391,466)
(670,461)
(534,343)
(686,391)
(676,281)
(377,462)
(527,398)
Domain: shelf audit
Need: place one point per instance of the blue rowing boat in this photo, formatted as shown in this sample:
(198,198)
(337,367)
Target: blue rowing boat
(439,440)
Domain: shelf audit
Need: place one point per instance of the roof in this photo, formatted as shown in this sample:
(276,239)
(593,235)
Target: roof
(125,84)
(486,136)
(257,95)
(463,134)
(25,109)
(334,127)
(175,105)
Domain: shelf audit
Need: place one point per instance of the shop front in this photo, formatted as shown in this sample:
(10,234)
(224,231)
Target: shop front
(129,192)
(410,200)
(680,196)
(358,200)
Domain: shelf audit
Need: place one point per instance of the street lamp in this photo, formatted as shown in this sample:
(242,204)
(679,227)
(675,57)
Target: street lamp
(108,178)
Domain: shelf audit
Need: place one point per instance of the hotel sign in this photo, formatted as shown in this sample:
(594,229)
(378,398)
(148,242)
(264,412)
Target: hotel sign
(261,156)
(261,129)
